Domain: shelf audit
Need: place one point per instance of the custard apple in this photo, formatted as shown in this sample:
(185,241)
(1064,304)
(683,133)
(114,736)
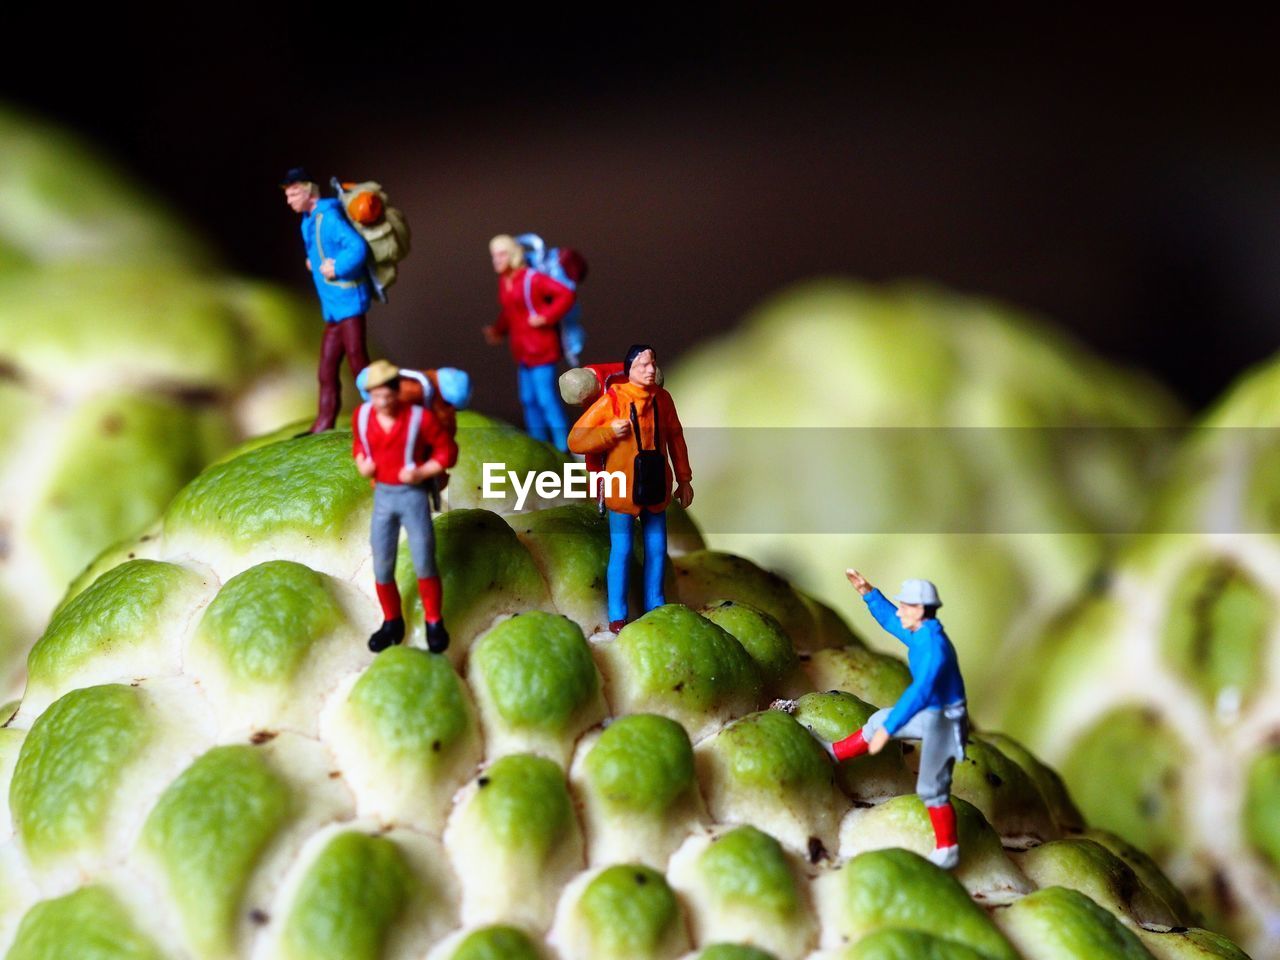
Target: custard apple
(128,361)
(919,433)
(1160,695)
(207,762)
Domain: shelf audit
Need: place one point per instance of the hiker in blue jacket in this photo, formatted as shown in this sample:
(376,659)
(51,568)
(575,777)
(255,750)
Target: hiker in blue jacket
(931,709)
(337,258)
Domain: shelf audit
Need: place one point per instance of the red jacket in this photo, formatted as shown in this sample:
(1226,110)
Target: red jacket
(532,346)
(388,447)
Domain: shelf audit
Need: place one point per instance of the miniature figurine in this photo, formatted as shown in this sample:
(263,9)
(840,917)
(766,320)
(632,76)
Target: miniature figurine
(402,447)
(568,267)
(337,258)
(532,306)
(931,710)
(635,427)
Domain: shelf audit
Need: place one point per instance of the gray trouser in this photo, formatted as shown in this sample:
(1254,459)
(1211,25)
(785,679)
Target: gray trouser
(395,505)
(942,732)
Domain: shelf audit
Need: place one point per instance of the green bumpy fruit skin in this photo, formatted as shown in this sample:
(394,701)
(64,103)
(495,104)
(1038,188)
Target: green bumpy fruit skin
(1123,768)
(769,752)
(760,635)
(263,621)
(208,831)
(871,676)
(482,440)
(413,707)
(524,803)
(479,557)
(571,545)
(537,670)
(89,924)
(497,943)
(732,951)
(351,895)
(1262,806)
(70,766)
(895,888)
(642,764)
(628,911)
(672,654)
(1071,926)
(746,868)
(303,487)
(127,602)
(908,945)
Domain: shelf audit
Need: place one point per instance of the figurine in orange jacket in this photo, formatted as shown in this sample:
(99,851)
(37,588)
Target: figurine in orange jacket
(635,427)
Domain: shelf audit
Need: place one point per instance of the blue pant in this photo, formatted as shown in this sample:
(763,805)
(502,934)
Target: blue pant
(543,414)
(622,526)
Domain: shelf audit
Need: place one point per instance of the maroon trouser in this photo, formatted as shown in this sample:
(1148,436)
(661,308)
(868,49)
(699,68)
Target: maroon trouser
(344,336)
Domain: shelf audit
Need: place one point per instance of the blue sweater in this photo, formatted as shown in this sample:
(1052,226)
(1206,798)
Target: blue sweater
(327,234)
(935,672)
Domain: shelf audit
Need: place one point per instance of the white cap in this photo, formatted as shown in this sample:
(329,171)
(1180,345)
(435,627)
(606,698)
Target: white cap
(922,592)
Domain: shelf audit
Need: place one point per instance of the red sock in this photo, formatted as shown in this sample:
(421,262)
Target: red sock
(944,824)
(429,590)
(851,746)
(389,597)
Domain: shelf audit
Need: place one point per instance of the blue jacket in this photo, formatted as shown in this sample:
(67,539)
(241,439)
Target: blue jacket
(935,672)
(327,234)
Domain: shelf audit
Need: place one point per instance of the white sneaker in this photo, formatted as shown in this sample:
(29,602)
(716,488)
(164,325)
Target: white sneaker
(945,857)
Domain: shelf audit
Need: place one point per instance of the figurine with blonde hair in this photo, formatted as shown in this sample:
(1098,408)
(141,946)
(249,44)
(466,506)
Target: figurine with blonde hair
(532,306)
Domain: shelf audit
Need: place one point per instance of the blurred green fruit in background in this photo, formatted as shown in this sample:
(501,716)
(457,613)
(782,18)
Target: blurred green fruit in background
(1160,695)
(912,432)
(128,360)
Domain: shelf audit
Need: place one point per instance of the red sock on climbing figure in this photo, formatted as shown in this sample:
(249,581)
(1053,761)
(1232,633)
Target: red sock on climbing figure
(943,817)
(389,597)
(851,746)
(430,591)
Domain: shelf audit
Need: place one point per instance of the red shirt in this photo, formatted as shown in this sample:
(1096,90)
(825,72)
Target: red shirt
(532,346)
(387,447)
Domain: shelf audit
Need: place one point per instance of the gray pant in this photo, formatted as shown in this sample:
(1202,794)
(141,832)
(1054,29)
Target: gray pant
(395,505)
(942,732)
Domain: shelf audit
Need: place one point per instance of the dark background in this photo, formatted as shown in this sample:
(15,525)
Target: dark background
(1121,176)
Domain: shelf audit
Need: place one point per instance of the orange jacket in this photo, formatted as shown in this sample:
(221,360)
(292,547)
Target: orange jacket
(593,434)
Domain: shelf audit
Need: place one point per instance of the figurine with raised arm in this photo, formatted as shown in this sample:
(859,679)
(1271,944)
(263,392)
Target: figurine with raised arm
(337,259)
(402,447)
(634,426)
(532,306)
(931,710)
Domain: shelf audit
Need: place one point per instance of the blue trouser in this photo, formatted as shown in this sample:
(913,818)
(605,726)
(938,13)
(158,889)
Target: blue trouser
(543,413)
(653,527)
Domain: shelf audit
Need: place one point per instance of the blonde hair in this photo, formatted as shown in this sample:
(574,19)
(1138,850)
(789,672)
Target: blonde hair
(513,248)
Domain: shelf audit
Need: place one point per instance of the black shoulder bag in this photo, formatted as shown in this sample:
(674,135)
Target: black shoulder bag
(649,472)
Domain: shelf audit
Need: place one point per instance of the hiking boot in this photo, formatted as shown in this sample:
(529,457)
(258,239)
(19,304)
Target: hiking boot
(389,634)
(437,637)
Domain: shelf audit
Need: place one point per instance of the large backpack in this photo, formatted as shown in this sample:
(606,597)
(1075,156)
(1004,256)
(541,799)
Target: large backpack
(564,265)
(383,227)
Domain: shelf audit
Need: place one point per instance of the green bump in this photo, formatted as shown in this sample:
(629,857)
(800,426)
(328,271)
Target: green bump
(1160,886)
(1262,806)
(412,708)
(1090,868)
(124,607)
(305,487)
(732,951)
(571,546)
(747,869)
(832,716)
(524,803)
(89,924)
(997,786)
(537,671)
(908,945)
(642,764)
(673,655)
(143,449)
(629,911)
(1052,790)
(71,766)
(264,621)
(208,831)
(705,576)
(770,753)
(1126,769)
(497,943)
(484,440)
(897,889)
(1067,925)
(348,901)
(1217,629)
(875,677)
(760,635)
(482,561)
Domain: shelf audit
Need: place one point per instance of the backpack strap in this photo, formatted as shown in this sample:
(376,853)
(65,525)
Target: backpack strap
(411,438)
(362,426)
(528,290)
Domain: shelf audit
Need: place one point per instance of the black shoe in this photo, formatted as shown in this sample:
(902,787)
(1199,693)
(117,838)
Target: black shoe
(437,637)
(390,633)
